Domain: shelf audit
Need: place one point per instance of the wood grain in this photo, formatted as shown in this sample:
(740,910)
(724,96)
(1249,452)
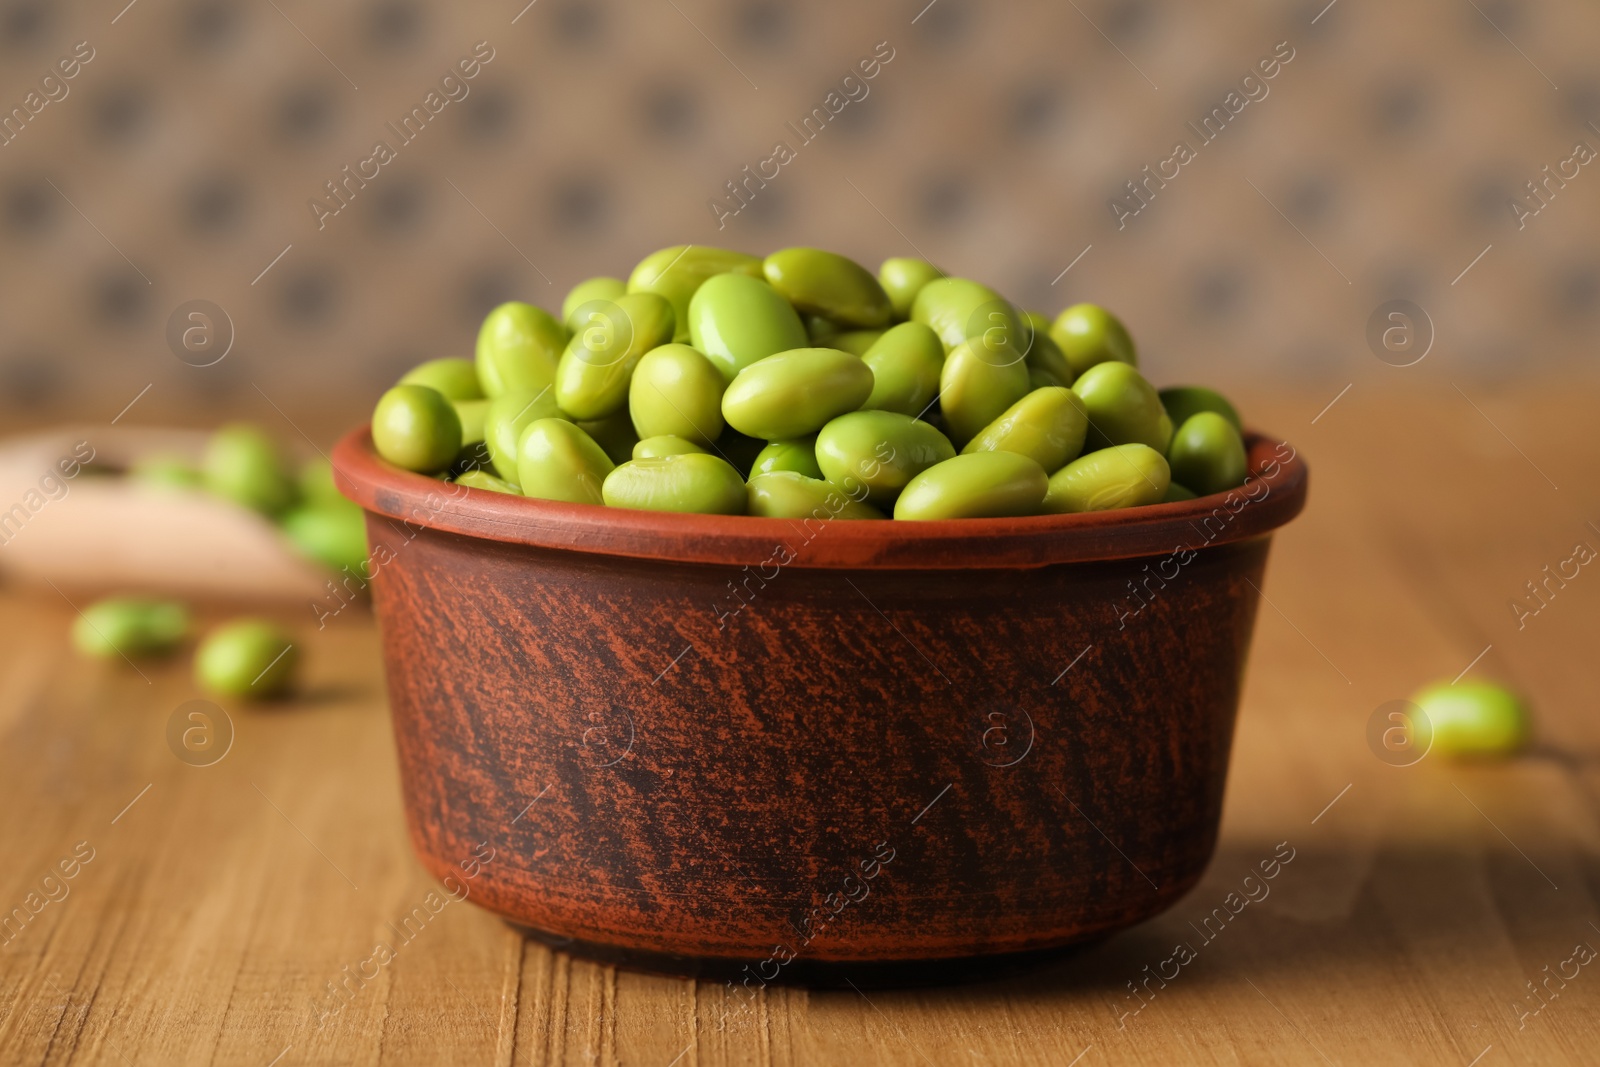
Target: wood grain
(219,906)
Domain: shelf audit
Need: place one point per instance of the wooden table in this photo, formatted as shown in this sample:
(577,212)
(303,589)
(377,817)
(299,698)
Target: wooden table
(221,901)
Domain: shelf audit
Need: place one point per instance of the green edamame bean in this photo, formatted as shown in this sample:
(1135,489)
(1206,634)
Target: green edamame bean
(165,470)
(1176,493)
(242,464)
(677,390)
(333,534)
(978,485)
(792,495)
(1207,454)
(1122,476)
(1044,355)
(481,479)
(735,320)
(828,284)
(315,483)
(903,277)
(518,348)
(456,379)
(415,427)
(1088,334)
(594,372)
(509,414)
(796,392)
(1473,719)
(977,385)
(882,450)
(558,461)
(905,363)
(798,456)
(614,433)
(694,482)
(958,310)
(665,445)
(1184,400)
(130,626)
(1123,408)
(678,272)
(1048,426)
(855,342)
(586,291)
(246,658)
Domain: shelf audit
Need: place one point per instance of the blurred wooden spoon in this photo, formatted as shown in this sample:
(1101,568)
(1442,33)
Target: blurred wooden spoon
(94,531)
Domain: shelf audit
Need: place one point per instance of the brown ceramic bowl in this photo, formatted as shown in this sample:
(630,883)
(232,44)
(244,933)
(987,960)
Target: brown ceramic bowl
(785,750)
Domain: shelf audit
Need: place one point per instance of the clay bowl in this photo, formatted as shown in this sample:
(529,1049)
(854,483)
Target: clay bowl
(781,751)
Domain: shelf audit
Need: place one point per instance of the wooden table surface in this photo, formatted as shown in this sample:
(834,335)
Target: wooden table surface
(210,907)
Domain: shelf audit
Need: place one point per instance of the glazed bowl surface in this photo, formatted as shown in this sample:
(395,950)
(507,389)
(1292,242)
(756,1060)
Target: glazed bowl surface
(779,749)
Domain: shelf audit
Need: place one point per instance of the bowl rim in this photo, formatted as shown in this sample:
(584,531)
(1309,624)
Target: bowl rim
(1274,493)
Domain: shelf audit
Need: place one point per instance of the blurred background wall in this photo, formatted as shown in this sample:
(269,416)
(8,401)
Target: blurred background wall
(179,163)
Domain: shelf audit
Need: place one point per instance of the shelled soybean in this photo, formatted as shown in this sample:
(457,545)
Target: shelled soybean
(716,382)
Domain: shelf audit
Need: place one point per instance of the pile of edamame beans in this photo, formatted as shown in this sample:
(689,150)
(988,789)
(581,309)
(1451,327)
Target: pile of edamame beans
(801,385)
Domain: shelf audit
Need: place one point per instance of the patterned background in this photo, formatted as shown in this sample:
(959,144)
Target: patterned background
(181,160)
